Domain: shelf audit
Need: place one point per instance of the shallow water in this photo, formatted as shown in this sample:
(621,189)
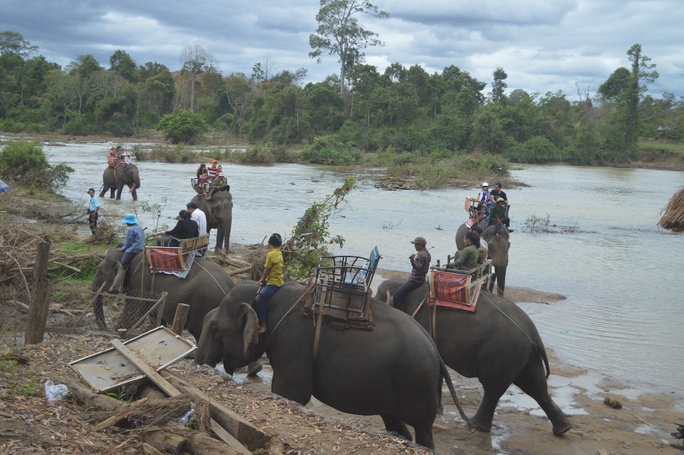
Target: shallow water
(620,273)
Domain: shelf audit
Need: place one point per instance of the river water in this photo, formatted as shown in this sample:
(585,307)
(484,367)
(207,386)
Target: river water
(620,273)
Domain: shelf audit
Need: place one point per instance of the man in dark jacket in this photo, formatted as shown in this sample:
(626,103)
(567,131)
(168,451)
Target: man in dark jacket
(420,263)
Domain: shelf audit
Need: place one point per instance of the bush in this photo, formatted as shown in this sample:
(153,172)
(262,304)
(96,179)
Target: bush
(184,126)
(535,150)
(24,162)
(327,150)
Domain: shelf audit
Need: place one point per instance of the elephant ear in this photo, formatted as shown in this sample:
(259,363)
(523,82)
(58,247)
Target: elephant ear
(250,334)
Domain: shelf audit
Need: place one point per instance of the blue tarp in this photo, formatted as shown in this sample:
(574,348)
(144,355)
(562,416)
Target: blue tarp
(4,188)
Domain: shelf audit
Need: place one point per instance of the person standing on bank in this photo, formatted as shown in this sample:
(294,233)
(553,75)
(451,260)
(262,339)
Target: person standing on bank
(420,263)
(93,208)
(271,279)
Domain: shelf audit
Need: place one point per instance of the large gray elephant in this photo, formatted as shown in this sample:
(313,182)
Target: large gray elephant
(393,370)
(498,240)
(219,212)
(498,344)
(203,289)
(115,179)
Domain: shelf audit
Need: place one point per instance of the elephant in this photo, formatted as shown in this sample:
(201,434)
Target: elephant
(498,344)
(115,179)
(393,370)
(219,212)
(499,244)
(203,288)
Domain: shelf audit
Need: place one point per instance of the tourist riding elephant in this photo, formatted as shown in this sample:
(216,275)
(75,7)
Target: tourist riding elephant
(499,244)
(219,212)
(498,344)
(115,179)
(203,289)
(393,370)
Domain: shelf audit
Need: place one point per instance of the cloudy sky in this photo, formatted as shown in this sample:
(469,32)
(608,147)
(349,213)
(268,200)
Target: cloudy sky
(543,45)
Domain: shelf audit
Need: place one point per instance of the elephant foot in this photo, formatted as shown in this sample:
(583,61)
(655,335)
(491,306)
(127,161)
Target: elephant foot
(480,425)
(560,428)
(254,367)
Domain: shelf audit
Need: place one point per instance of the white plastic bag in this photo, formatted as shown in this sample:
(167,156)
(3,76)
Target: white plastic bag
(54,392)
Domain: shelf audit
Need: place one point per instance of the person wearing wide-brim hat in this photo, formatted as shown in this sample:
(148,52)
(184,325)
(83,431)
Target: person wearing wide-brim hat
(498,214)
(132,245)
(420,265)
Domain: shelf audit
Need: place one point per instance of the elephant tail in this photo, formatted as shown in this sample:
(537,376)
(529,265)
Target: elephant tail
(541,352)
(447,378)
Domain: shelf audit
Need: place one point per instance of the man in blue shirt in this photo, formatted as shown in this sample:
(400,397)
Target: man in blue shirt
(134,244)
(93,208)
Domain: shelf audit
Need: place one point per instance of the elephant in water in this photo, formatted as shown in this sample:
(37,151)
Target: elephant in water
(498,344)
(115,179)
(498,241)
(219,212)
(393,370)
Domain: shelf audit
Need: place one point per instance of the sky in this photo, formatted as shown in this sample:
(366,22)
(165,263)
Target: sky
(543,45)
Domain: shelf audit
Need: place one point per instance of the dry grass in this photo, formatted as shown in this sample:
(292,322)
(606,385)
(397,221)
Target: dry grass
(673,214)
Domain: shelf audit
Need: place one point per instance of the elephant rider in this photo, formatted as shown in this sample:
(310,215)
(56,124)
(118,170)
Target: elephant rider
(420,263)
(186,228)
(132,245)
(198,216)
(469,256)
(212,172)
(498,214)
(93,208)
(271,279)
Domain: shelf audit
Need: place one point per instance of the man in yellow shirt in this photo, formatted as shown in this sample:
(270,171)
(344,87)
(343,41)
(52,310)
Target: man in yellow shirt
(271,280)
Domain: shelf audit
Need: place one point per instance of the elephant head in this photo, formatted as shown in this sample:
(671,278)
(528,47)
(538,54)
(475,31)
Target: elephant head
(230,333)
(104,275)
(127,175)
(219,212)
(498,241)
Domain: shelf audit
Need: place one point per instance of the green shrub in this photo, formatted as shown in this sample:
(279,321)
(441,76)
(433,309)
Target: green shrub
(24,162)
(184,126)
(328,150)
(537,149)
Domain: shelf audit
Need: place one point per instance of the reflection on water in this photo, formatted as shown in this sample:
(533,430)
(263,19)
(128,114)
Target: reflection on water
(623,312)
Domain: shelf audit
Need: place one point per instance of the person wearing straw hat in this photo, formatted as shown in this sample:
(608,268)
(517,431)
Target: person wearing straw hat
(420,265)
(132,245)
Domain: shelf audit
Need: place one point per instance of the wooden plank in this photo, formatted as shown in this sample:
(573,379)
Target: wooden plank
(182,310)
(120,414)
(146,369)
(248,435)
(40,302)
(228,438)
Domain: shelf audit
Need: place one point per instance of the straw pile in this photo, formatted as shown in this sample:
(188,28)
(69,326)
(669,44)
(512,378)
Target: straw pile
(672,216)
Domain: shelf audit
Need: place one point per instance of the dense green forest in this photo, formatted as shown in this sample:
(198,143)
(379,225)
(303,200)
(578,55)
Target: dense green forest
(401,111)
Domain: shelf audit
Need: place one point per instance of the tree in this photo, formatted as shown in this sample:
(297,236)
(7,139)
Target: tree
(641,70)
(122,64)
(12,43)
(499,85)
(339,32)
(182,127)
(196,61)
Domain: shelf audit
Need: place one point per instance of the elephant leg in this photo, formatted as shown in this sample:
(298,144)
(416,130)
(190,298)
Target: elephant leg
(298,388)
(135,194)
(501,279)
(424,437)
(104,190)
(112,193)
(98,310)
(532,381)
(254,367)
(118,193)
(492,282)
(394,425)
(219,239)
(482,420)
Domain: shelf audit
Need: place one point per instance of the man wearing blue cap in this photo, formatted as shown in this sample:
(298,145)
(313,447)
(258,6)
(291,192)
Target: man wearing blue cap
(134,243)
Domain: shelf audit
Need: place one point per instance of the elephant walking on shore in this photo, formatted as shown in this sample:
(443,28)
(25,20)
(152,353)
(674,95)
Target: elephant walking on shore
(393,370)
(203,289)
(115,179)
(498,344)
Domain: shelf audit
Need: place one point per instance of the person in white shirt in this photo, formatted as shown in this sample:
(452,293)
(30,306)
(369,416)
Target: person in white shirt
(198,215)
